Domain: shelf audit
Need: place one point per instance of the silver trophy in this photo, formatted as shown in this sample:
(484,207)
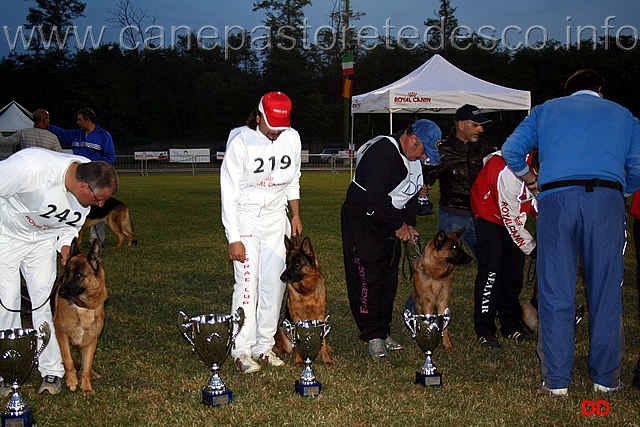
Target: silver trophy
(211,336)
(427,330)
(19,353)
(307,337)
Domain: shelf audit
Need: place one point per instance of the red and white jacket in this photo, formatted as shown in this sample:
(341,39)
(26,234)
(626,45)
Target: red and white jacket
(499,196)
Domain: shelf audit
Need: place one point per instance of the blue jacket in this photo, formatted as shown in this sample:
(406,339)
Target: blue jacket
(97,145)
(581,136)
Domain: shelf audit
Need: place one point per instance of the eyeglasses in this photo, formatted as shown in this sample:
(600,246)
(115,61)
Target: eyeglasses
(94,195)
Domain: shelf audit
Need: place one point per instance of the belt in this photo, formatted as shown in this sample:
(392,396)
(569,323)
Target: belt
(589,184)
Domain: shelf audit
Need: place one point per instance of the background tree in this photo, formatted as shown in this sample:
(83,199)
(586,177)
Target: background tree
(52,21)
(133,20)
(439,38)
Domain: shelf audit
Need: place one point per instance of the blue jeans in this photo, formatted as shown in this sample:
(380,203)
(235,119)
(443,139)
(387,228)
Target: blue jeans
(452,223)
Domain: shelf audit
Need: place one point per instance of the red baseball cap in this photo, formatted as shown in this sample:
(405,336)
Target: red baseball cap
(276,109)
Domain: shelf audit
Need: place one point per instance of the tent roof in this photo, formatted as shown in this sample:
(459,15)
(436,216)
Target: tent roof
(13,117)
(437,86)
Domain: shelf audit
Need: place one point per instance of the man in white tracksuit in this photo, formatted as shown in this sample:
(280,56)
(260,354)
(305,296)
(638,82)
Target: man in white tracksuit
(259,175)
(44,199)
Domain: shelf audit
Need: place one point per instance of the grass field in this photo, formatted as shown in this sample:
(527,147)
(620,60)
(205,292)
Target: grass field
(150,377)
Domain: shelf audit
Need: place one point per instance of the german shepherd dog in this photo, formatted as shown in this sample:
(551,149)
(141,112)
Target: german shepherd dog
(530,312)
(116,214)
(433,274)
(307,294)
(78,316)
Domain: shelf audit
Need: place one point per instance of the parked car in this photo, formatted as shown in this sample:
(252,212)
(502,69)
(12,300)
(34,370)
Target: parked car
(329,154)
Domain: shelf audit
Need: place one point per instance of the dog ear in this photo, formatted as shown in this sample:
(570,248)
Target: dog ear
(95,256)
(440,239)
(287,243)
(460,232)
(74,249)
(307,249)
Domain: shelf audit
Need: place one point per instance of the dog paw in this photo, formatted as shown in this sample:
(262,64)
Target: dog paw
(72,382)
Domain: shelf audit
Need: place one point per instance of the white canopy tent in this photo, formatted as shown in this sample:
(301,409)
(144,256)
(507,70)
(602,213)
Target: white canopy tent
(437,86)
(13,117)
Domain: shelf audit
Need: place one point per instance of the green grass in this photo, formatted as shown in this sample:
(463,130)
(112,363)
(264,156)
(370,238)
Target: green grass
(150,376)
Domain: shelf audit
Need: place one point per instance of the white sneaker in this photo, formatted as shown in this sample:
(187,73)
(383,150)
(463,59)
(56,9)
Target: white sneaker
(246,364)
(604,389)
(377,349)
(555,392)
(270,358)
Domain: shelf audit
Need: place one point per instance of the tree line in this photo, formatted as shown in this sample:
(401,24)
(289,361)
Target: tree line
(187,95)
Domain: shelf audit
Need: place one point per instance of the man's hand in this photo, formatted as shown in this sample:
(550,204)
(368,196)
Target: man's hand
(237,252)
(65,251)
(403,233)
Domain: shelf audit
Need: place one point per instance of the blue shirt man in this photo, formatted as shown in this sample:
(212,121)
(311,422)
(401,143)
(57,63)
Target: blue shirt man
(589,152)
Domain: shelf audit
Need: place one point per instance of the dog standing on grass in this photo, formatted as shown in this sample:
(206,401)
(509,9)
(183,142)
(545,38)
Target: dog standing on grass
(116,214)
(433,274)
(307,293)
(80,294)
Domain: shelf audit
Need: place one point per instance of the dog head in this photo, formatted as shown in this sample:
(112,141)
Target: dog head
(450,245)
(301,260)
(82,282)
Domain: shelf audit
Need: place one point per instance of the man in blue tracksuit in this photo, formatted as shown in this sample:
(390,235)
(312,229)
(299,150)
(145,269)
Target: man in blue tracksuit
(92,142)
(589,152)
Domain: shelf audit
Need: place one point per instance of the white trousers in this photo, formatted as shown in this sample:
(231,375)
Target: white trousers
(258,288)
(37,262)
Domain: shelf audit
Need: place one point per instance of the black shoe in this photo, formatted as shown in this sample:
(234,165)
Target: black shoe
(520,336)
(489,341)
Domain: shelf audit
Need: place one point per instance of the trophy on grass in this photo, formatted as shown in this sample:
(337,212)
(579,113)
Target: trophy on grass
(19,353)
(211,336)
(427,330)
(307,337)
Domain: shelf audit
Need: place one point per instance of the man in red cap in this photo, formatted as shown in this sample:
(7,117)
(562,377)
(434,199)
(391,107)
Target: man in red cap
(259,175)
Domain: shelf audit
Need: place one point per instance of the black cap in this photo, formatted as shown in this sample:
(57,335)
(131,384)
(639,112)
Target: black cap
(470,112)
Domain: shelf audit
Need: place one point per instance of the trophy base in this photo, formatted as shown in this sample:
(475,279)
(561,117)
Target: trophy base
(433,380)
(23,420)
(210,398)
(308,390)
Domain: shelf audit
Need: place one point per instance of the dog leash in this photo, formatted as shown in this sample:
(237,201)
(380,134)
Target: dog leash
(409,257)
(32,309)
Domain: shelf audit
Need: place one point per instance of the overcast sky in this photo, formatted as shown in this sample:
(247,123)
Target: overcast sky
(513,21)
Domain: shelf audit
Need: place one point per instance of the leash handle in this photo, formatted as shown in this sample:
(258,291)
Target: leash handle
(407,257)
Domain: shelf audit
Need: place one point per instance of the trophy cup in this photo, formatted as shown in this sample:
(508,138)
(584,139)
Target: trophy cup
(211,336)
(19,353)
(307,337)
(427,330)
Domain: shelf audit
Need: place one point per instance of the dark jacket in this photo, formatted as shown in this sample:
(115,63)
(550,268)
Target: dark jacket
(459,166)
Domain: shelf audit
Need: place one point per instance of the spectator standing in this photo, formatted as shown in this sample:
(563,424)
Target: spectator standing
(37,136)
(589,151)
(461,155)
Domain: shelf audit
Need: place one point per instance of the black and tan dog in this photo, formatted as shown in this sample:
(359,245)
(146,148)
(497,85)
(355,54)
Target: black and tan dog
(433,274)
(116,214)
(530,312)
(79,313)
(307,293)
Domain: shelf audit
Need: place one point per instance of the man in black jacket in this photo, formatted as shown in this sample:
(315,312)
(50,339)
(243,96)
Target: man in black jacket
(461,155)
(378,213)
